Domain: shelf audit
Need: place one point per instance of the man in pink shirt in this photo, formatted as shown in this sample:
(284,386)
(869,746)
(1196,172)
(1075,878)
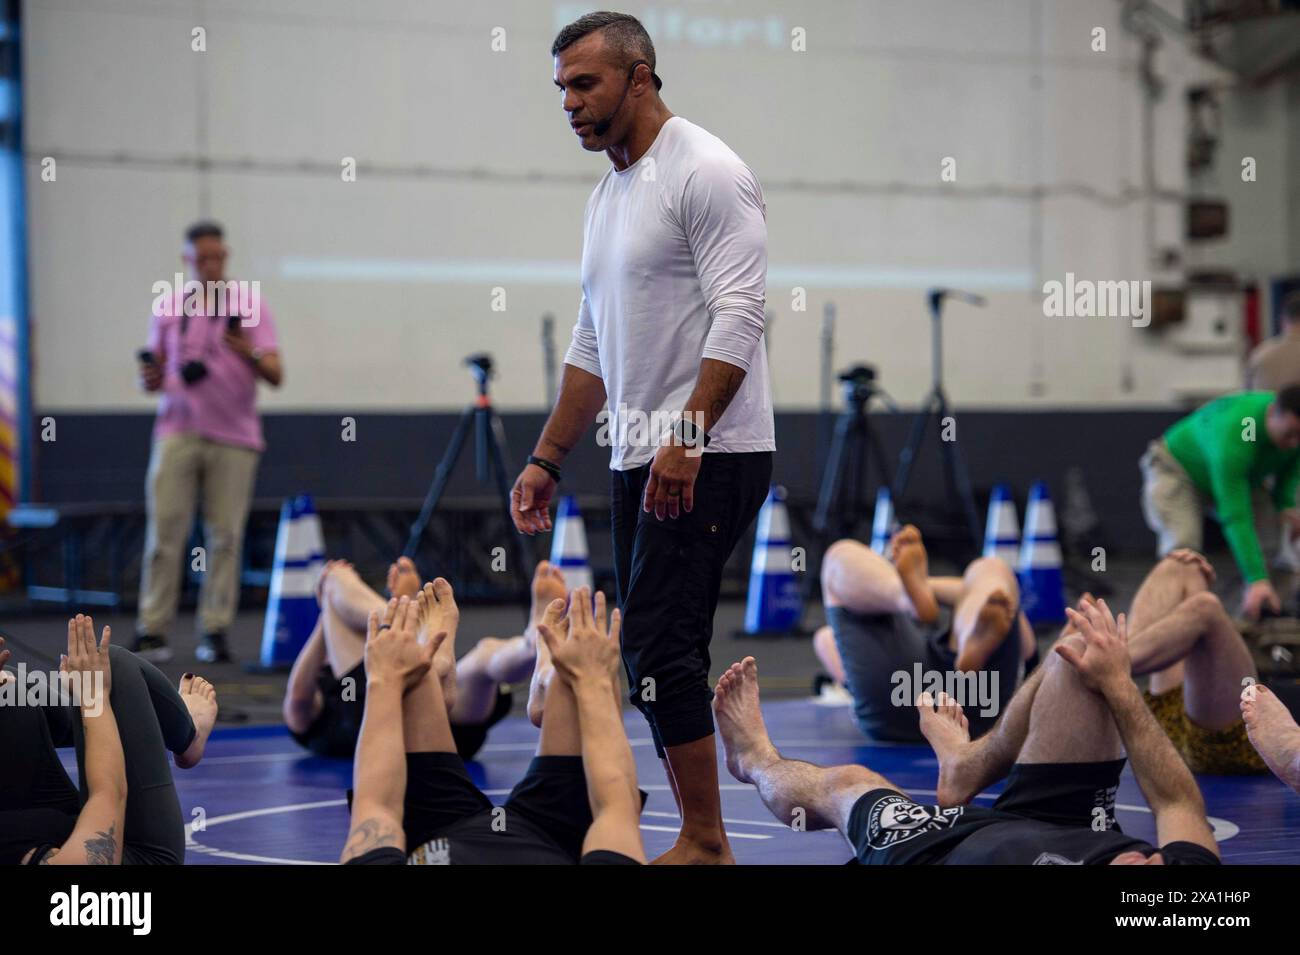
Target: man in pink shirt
(208,346)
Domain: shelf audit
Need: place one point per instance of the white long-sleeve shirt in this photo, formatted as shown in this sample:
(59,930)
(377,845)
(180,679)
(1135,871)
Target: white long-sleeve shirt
(674,269)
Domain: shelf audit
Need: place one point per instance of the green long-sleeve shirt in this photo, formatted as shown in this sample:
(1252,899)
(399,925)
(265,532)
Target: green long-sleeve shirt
(1214,446)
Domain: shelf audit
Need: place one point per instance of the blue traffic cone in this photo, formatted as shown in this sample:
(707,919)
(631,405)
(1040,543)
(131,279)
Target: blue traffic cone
(883,524)
(1002,529)
(1042,592)
(292,610)
(569,545)
(774,603)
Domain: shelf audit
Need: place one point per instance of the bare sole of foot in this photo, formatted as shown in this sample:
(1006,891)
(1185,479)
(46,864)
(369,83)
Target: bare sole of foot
(1273,732)
(403,579)
(200,698)
(992,627)
(554,616)
(548,584)
(907,551)
(946,729)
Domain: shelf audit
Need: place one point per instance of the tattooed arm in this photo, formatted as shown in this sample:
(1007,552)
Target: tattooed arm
(395,661)
(380,774)
(97,837)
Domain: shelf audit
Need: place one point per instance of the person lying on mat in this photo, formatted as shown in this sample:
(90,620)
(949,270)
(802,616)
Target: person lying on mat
(325,695)
(122,716)
(1061,744)
(888,616)
(413,801)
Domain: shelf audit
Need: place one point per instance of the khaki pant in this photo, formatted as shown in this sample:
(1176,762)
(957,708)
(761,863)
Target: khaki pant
(181,467)
(1174,508)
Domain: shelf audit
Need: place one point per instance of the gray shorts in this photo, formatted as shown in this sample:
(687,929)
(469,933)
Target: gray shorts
(877,650)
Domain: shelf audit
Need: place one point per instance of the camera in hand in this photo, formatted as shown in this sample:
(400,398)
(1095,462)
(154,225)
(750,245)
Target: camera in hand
(193,371)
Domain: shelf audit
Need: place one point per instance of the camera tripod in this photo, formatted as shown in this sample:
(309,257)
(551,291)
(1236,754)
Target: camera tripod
(489,440)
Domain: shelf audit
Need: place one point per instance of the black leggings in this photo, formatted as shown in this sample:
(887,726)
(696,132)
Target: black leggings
(151,719)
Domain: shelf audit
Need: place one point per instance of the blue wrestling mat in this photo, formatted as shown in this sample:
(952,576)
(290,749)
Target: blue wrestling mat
(258,798)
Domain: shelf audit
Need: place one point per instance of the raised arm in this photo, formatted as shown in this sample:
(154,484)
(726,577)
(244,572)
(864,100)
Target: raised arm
(97,836)
(588,661)
(1163,777)
(395,661)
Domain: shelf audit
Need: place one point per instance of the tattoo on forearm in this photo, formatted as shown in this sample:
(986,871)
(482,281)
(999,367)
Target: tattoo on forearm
(101,848)
(371,834)
(730,385)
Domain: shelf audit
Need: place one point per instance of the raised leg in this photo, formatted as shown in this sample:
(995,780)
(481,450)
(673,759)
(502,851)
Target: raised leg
(1217,664)
(983,616)
(439,613)
(1172,580)
(548,585)
(481,672)
(794,791)
(966,767)
(1068,723)
(857,578)
(346,603)
(829,654)
(426,725)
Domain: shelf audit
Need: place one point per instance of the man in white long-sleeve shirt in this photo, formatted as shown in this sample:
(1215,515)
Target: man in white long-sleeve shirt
(670,334)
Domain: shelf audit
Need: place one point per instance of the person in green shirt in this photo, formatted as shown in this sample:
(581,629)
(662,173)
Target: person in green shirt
(1217,458)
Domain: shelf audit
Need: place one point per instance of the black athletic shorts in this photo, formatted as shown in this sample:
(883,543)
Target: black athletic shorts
(337,727)
(668,574)
(448,821)
(1049,814)
(391,856)
(886,655)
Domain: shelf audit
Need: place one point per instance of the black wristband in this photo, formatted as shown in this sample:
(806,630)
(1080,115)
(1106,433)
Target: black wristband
(549,467)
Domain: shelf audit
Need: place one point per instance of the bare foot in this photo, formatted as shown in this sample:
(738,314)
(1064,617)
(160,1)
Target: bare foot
(1273,732)
(200,698)
(330,566)
(992,625)
(556,618)
(745,741)
(437,610)
(509,661)
(548,583)
(404,580)
(947,730)
(908,554)
(686,852)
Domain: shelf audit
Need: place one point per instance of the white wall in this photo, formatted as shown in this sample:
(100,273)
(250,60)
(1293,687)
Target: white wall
(470,180)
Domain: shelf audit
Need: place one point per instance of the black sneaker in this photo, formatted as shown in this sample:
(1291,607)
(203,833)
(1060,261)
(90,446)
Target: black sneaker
(151,648)
(212,649)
